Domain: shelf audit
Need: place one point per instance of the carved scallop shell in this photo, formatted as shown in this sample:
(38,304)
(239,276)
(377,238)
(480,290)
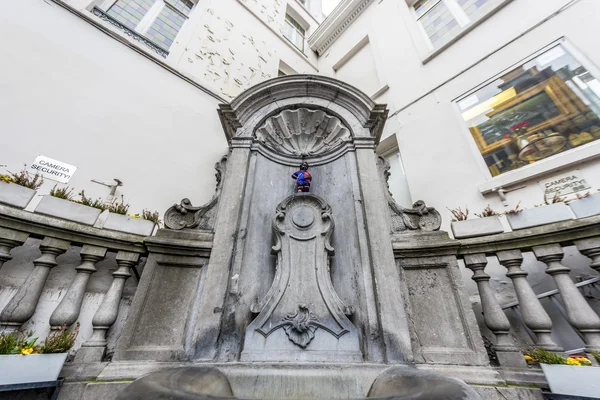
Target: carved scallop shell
(303,132)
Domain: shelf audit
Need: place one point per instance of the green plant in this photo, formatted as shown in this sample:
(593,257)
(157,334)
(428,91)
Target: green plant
(596,356)
(459,214)
(24,178)
(119,207)
(62,193)
(555,199)
(87,201)
(487,212)
(60,341)
(147,215)
(18,343)
(538,355)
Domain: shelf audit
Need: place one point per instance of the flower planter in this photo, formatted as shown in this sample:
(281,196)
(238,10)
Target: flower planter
(15,195)
(477,227)
(17,368)
(65,209)
(586,207)
(573,380)
(124,223)
(540,216)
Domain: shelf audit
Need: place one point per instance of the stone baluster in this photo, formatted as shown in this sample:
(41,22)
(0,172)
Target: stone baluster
(68,310)
(579,313)
(10,239)
(106,315)
(23,304)
(590,248)
(534,315)
(493,315)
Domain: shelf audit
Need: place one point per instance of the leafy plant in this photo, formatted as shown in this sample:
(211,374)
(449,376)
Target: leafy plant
(555,199)
(60,341)
(515,210)
(487,212)
(65,193)
(87,201)
(537,355)
(459,214)
(596,356)
(119,207)
(147,215)
(18,343)
(24,178)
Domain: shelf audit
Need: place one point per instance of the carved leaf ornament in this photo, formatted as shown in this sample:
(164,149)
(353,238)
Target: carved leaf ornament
(303,132)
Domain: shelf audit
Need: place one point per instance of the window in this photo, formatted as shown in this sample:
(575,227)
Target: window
(442,20)
(546,106)
(294,32)
(157,20)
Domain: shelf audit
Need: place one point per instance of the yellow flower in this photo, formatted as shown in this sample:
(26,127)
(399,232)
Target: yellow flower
(573,361)
(27,350)
(528,359)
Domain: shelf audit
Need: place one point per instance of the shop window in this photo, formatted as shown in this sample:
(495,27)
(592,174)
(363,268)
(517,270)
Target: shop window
(443,20)
(294,32)
(546,106)
(157,20)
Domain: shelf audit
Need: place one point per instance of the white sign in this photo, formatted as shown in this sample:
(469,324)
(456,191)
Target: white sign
(53,169)
(564,184)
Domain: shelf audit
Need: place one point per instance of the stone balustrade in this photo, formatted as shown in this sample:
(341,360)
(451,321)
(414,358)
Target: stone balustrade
(56,237)
(547,244)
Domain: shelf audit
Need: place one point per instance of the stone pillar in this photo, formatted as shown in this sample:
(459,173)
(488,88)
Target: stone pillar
(534,315)
(212,302)
(579,313)
(393,320)
(493,315)
(23,304)
(590,248)
(68,310)
(10,239)
(106,315)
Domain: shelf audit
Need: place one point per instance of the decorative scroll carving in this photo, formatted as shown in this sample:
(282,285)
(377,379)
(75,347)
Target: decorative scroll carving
(420,217)
(302,228)
(303,133)
(300,326)
(185,215)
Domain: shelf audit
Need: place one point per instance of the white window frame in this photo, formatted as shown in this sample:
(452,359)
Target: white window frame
(153,13)
(289,25)
(542,167)
(424,45)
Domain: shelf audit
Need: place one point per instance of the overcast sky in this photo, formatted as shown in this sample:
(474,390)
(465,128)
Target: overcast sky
(329,5)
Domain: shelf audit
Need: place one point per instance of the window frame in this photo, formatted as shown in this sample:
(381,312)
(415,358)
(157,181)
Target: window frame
(290,25)
(421,40)
(148,20)
(542,167)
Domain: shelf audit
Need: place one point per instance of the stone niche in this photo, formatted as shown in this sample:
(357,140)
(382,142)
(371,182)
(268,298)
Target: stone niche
(264,274)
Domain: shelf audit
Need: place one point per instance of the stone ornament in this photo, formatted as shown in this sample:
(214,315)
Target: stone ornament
(303,133)
(186,216)
(300,326)
(302,307)
(420,217)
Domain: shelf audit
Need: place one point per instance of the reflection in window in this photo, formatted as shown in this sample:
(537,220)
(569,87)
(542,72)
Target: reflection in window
(294,32)
(443,20)
(548,105)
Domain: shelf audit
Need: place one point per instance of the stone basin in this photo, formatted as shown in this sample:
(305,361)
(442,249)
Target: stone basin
(203,383)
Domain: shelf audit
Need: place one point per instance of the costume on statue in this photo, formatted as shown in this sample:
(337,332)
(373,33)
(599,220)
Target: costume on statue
(302,178)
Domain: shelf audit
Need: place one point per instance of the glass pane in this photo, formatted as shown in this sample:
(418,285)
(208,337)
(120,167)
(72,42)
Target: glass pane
(439,24)
(130,12)
(183,6)
(165,27)
(422,6)
(291,33)
(472,6)
(546,106)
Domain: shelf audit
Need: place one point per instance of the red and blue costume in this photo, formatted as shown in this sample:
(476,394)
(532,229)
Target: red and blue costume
(302,178)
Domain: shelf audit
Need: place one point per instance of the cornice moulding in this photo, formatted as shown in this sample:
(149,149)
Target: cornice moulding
(333,26)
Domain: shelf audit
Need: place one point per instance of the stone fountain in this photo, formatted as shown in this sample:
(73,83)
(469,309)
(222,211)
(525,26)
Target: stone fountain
(269,293)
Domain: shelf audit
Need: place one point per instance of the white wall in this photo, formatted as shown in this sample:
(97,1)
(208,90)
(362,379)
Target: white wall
(442,164)
(72,93)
